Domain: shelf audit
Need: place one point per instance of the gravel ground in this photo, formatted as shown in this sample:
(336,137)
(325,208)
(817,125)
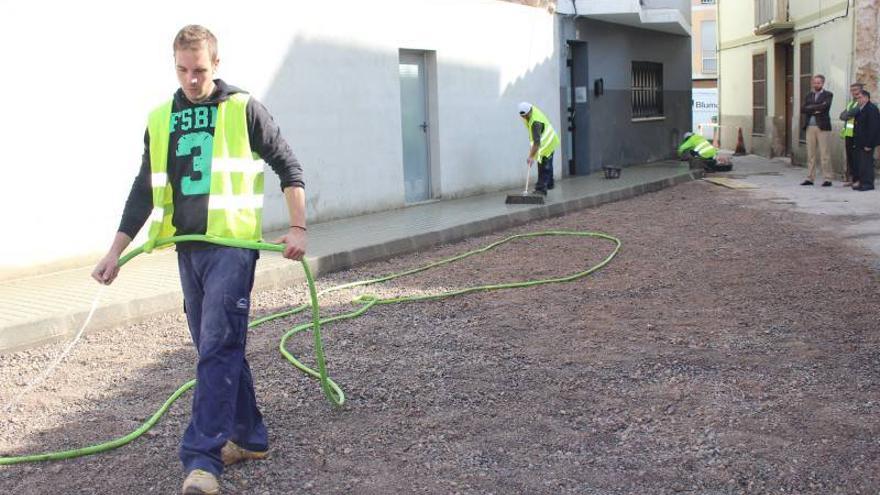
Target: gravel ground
(731,347)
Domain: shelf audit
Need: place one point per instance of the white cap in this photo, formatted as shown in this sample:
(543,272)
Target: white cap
(688,134)
(525,107)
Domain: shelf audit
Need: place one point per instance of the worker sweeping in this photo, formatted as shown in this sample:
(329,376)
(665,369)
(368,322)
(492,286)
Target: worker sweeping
(697,147)
(543,142)
(202,173)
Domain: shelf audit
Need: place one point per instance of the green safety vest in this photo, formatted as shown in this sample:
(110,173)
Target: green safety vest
(235,192)
(700,145)
(847,130)
(549,138)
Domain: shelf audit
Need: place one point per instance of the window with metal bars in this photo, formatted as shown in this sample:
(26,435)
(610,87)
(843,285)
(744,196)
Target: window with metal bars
(759,93)
(647,90)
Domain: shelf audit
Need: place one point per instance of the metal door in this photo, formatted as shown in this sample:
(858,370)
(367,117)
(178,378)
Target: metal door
(579,110)
(414,126)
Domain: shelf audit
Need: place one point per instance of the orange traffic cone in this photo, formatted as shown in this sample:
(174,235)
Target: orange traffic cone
(740,145)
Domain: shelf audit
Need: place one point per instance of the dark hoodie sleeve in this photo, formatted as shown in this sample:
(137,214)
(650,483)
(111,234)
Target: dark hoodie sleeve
(537,130)
(140,198)
(266,140)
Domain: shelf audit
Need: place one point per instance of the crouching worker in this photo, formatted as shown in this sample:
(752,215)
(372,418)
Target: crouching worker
(696,147)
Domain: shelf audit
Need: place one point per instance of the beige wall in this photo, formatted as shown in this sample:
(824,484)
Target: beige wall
(832,56)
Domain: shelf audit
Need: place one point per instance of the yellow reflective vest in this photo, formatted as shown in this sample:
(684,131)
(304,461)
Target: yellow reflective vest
(700,145)
(850,124)
(235,201)
(549,138)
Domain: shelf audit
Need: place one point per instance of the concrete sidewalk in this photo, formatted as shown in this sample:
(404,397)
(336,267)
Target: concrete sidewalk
(48,307)
(853,215)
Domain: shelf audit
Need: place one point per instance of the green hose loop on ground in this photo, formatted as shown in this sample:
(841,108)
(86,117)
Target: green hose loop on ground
(331,390)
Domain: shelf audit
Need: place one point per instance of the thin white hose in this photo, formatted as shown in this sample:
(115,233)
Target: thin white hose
(45,374)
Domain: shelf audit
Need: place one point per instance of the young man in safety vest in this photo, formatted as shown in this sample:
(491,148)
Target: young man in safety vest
(697,146)
(543,142)
(202,173)
(848,117)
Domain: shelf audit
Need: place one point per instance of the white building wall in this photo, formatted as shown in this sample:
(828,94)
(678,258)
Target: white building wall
(80,77)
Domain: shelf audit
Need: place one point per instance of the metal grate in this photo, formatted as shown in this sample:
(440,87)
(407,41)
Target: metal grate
(647,90)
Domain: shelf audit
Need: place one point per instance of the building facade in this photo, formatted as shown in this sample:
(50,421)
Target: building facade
(384,111)
(704,52)
(704,60)
(625,74)
(770,49)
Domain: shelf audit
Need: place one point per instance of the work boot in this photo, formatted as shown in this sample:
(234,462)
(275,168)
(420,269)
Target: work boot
(232,453)
(200,483)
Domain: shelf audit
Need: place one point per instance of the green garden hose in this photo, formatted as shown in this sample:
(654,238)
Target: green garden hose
(331,390)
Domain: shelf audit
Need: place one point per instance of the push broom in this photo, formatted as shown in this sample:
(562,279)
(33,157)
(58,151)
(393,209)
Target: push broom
(525,198)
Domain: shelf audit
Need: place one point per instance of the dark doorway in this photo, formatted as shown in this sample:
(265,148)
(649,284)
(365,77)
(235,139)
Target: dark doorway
(579,109)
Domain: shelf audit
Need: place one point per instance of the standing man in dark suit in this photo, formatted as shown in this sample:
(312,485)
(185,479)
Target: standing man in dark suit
(866,135)
(848,117)
(817,122)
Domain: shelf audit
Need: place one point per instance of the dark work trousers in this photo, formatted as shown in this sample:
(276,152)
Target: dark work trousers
(708,163)
(545,174)
(865,159)
(852,168)
(217,283)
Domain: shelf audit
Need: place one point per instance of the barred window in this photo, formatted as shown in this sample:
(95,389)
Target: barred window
(647,90)
(759,93)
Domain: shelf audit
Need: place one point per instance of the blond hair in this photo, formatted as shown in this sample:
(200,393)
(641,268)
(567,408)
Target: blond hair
(192,36)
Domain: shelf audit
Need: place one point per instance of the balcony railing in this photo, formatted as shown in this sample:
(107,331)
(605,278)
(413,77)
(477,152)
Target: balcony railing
(771,17)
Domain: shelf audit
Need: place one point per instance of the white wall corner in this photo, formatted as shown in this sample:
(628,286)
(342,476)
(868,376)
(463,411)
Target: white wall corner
(565,7)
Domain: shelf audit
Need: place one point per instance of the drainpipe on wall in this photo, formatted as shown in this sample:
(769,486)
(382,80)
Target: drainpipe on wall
(851,70)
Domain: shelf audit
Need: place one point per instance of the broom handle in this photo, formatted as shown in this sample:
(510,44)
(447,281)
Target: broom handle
(528,173)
